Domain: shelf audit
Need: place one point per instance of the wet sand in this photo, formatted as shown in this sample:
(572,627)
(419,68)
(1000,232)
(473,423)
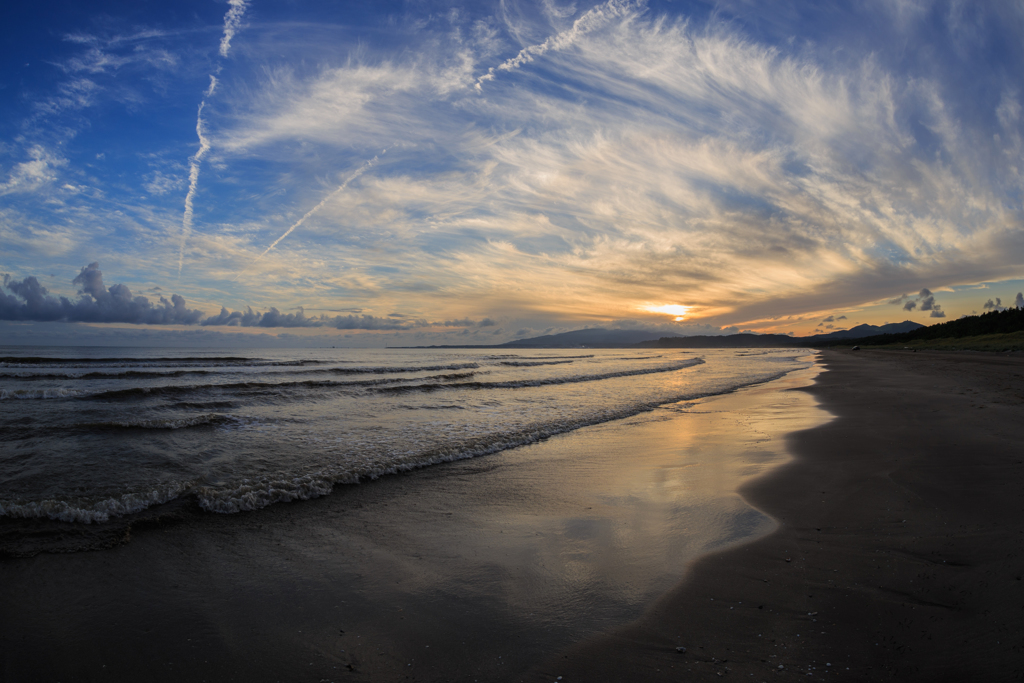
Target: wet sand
(476,570)
(900,552)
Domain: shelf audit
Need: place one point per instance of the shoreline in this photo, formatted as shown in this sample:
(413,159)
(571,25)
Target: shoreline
(899,554)
(476,569)
(28,535)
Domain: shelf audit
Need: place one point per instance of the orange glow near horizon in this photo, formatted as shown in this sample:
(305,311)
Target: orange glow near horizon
(676,310)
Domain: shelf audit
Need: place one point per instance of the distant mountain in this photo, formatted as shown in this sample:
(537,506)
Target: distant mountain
(595,336)
(865,331)
(598,337)
(725,341)
(747,340)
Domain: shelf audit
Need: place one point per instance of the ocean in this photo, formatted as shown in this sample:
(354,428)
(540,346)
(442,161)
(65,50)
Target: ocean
(92,434)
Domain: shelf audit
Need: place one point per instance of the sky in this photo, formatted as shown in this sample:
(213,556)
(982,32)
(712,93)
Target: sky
(293,172)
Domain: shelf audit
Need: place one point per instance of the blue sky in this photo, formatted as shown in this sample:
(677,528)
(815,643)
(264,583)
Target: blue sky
(433,172)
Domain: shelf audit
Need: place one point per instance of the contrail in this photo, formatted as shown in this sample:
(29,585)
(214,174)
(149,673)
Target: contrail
(232,20)
(591,19)
(358,172)
(193,181)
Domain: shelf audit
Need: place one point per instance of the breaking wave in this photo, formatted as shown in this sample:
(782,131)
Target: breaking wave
(88,512)
(208,420)
(542,381)
(92,439)
(22,394)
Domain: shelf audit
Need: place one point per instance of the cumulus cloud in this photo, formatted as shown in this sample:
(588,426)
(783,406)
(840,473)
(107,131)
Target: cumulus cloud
(830,319)
(925,301)
(274,318)
(31,301)
(466,322)
(369,322)
(997,305)
(97,303)
(271,318)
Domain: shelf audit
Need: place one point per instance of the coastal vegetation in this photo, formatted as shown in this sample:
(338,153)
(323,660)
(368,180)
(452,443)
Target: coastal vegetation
(992,331)
(1012,341)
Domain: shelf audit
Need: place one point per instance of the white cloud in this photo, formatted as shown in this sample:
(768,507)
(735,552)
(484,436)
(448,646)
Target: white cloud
(590,20)
(160,183)
(194,164)
(658,158)
(21,234)
(612,156)
(323,202)
(71,95)
(38,171)
(232,22)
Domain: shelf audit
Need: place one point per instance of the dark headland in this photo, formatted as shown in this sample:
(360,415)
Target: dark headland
(599,337)
(993,331)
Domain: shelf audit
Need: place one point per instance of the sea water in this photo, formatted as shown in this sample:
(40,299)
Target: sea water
(94,433)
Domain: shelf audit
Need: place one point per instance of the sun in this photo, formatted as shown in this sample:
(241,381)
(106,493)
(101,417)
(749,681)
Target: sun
(677,310)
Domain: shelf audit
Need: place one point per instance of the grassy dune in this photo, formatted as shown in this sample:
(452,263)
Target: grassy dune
(1009,341)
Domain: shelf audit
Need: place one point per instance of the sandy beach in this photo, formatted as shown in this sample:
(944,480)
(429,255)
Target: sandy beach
(754,529)
(900,551)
